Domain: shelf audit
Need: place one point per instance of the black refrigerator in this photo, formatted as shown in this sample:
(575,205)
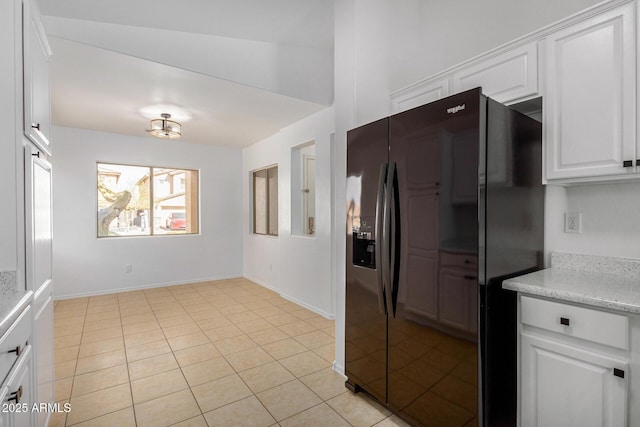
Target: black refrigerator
(444,202)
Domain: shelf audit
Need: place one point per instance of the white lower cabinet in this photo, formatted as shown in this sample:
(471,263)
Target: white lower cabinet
(576,366)
(20,391)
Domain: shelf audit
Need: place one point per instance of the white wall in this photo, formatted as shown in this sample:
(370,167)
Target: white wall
(384,45)
(610,219)
(298,267)
(84,264)
(8,158)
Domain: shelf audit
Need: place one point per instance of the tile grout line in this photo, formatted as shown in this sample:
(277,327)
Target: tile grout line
(73,381)
(173,355)
(126,359)
(74,376)
(182,372)
(236,373)
(203,297)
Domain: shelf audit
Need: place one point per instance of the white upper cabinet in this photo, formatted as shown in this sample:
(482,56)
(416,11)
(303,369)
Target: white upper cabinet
(590,98)
(506,77)
(36,53)
(585,68)
(420,93)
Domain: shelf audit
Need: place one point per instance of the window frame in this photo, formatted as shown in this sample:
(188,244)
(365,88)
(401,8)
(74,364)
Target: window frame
(268,206)
(151,219)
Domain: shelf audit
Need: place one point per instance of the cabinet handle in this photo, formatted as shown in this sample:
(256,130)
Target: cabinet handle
(16,395)
(470,277)
(16,350)
(564,321)
(35,126)
(618,372)
(637,162)
(627,163)
(36,154)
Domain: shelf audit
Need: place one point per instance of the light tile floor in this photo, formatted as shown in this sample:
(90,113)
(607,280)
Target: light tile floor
(221,353)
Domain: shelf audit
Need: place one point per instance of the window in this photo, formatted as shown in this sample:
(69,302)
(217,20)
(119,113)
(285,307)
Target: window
(303,189)
(265,201)
(145,200)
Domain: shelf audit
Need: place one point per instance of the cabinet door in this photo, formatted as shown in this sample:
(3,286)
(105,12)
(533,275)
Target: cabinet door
(590,96)
(422,285)
(419,93)
(564,386)
(20,391)
(506,77)
(38,219)
(37,98)
(4,415)
(453,299)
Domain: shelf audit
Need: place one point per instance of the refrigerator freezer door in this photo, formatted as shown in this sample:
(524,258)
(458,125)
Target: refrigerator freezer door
(365,323)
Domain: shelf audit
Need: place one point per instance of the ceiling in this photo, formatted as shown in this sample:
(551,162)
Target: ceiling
(232,72)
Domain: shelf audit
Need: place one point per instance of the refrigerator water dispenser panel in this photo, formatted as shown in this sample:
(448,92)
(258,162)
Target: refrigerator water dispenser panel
(364,244)
(364,252)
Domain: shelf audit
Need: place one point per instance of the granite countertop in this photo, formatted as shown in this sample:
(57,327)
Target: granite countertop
(12,301)
(611,283)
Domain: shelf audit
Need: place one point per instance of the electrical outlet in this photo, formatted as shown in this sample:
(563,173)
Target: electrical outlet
(128,268)
(573,222)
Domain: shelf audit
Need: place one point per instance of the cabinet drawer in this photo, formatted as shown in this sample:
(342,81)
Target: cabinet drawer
(467,261)
(15,337)
(579,322)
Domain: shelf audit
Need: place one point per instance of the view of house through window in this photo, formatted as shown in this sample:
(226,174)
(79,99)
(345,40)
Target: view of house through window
(303,189)
(145,200)
(265,201)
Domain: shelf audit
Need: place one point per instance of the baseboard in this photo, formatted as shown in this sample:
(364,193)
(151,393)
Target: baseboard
(262,283)
(339,369)
(292,299)
(139,288)
(309,307)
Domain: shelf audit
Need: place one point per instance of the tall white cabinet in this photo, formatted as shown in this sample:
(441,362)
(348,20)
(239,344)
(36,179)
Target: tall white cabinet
(39,241)
(37,181)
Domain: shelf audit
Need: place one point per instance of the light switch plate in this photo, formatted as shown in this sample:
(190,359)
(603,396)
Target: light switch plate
(573,222)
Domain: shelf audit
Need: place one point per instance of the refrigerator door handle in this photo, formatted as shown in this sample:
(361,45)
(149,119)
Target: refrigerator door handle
(395,243)
(380,237)
(386,251)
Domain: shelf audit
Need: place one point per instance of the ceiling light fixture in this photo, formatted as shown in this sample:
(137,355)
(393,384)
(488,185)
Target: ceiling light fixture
(165,128)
